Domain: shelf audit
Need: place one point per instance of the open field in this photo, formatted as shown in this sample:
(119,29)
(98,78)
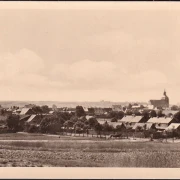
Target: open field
(24,150)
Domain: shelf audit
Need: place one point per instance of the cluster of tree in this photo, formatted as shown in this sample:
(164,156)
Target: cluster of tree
(40,109)
(116,115)
(175,108)
(12,123)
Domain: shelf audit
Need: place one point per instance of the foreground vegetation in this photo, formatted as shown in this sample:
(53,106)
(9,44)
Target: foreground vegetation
(23,151)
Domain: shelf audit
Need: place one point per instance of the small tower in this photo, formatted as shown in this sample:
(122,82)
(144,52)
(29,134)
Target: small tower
(166,98)
(164,93)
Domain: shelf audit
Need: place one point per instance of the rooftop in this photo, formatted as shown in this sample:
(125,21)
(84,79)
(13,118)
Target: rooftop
(164,120)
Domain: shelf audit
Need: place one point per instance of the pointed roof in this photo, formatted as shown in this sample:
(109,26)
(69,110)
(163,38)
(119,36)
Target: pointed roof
(164,92)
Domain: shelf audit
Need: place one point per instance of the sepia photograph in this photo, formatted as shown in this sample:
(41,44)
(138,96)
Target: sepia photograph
(90,84)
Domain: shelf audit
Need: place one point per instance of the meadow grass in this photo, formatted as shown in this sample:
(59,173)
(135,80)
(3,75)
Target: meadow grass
(89,153)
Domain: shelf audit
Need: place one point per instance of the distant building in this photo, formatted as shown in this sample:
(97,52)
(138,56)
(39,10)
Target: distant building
(107,110)
(162,103)
(117,108)
(91,111)
(99,111)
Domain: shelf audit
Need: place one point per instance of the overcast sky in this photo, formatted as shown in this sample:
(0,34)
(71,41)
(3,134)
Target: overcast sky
(89,55)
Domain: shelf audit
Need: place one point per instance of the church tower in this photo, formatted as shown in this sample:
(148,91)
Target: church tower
(166,98)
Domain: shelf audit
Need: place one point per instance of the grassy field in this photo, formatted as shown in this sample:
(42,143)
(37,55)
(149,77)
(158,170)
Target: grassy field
(34,150)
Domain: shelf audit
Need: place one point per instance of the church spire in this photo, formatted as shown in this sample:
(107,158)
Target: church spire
(164,92)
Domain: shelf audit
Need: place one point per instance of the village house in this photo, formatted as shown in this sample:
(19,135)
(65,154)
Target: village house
(173,126)
(26,111)
(17,111)
(161,123)
(34,119)
(121,126)
(168,112)
(103,120)
(143,126)
(132,120)
(113,124)
(23,119)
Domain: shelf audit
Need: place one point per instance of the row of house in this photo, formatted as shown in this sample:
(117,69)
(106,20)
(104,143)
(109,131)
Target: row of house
(134,122)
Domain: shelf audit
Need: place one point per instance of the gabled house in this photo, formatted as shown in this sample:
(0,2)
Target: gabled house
(34,119)
(168,112)
(143,126)
(17,111)
(161,123)
(173,126)
(132,120)
(26,111)
(23,119)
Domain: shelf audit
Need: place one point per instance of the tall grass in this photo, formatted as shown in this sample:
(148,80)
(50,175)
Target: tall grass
(90,153)
(106,146)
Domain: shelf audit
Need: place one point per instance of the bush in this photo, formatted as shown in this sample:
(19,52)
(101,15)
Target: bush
(32,129)
(12,122)
(114,120)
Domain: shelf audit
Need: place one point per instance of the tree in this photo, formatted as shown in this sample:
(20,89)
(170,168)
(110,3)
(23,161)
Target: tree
(114,119)
(174,108)
(80,111)
(51,124)
(145,113)
(74,119)
(117,115)
(2,111)
(129,106)
(120,115)
(98,128)
(129,112)
(141,106)
(45,109)
(160,114)
(54,107)
(118,127)
(107,127)
(79,127)
(37,109)
(31,128)
(153,113)
(12,122)
(64,115)
(92,122)
(177,116)
(91,111)
(136,112)
(79,124)
(68,123)
(82,119)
